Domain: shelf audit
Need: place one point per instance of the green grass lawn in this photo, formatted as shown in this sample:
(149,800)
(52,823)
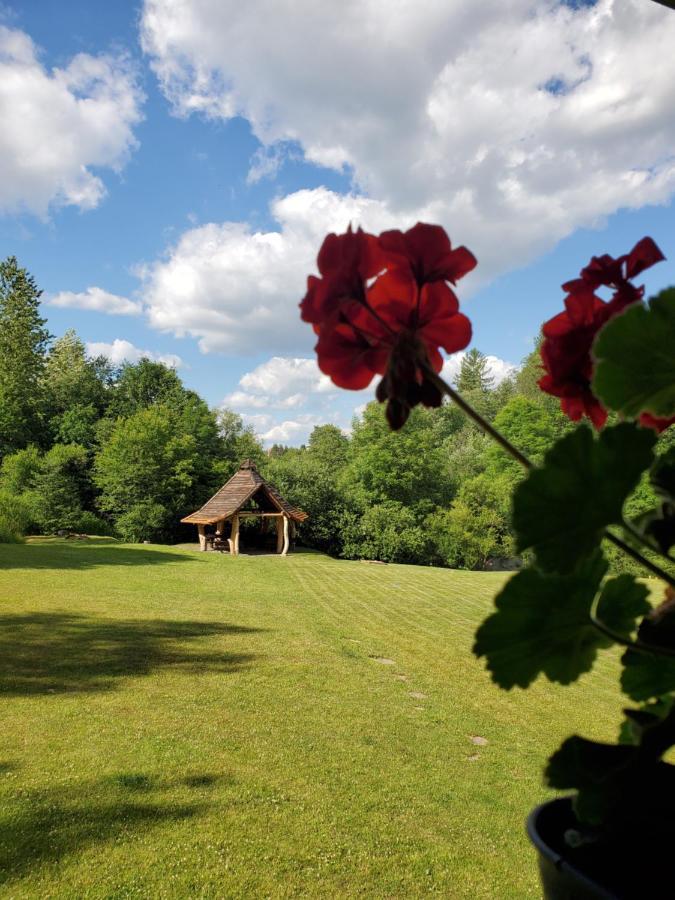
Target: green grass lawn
(177,724)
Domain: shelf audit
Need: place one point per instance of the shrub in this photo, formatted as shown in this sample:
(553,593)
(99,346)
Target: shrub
(90,523)
(388,532)
(8,532)
(142,522)
(16,517)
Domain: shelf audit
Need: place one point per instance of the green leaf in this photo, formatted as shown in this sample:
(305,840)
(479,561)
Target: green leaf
(635,362)
(542,625)
(562,508)
(619,786)
(658,525)
(662,475)
(646,675)
(623,599)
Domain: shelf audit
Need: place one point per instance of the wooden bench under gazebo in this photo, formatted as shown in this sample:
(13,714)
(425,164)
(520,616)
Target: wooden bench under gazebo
(245,495)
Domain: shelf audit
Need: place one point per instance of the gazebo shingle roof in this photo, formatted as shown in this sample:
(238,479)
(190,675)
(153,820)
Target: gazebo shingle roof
(245,482)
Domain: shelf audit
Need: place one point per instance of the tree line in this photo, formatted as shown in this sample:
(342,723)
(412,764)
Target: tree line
(127,451)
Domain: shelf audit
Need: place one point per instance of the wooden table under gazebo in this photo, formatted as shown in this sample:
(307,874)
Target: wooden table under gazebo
(245,495)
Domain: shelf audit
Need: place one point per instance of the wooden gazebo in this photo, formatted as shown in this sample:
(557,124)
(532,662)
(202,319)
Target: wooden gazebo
(245,495)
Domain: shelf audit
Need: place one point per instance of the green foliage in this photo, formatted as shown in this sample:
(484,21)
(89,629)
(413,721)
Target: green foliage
(307,479)
(19,470)
(476,527)
(474,374)
(387,531)
(542,626)
(90,523)
(77,390)
(77,425)
(8,533)
(16,517)
(143,520)
(635,369)
(406,467)
(562,508)
(529,426)
(61,485)
(148,462)
(329,446)
(23,341)
(237,442)
(143,384)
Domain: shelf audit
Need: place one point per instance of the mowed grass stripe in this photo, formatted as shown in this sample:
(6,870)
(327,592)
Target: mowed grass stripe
(181,724)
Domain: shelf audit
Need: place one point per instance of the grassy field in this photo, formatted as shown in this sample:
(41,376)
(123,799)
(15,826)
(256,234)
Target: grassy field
(177,724)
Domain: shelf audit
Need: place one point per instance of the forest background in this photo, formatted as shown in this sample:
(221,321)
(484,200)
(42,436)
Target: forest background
(127,451)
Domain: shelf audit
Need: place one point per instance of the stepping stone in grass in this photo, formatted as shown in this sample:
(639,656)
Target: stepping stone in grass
(384,660)
(417,695)
(473,757)
(480,741)
(401,677)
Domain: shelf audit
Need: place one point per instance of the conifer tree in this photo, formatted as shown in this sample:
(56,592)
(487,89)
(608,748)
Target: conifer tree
(23,343)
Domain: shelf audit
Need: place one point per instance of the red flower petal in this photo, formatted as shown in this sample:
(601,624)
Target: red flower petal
(355,251)
(428,252)
(647,420)
(643,255)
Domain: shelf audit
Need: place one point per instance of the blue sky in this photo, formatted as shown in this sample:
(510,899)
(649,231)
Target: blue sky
(208,147)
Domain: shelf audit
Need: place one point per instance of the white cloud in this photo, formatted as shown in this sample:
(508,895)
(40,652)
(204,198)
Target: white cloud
(290,383)
(238,290)
(498,369)
(58,125)
(292,431)
(98,300)
(121,351)
(511,123)
(283,383)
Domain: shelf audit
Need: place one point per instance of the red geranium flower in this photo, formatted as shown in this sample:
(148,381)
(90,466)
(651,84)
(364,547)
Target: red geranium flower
(395,324)
(569,336)
(428,252)
(346,262)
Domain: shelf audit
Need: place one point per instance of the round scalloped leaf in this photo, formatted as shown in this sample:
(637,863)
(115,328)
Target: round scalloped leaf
(635,359)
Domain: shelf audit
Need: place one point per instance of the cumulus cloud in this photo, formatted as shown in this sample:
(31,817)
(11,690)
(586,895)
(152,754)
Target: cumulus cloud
(121,351)
(236,289)
(58,125)
(498,369)
(511,124)
(98,300)
(281,383)
(284,398)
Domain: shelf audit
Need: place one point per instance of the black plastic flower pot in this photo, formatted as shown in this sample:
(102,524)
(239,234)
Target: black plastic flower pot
(562,878)
(637,866)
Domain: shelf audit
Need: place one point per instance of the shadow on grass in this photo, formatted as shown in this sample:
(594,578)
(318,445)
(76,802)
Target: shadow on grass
(45,653)
(42,826)
(59,553)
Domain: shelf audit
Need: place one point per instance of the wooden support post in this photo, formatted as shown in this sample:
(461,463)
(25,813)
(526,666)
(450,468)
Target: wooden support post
(280,535)
(220,527)
(230,542)
(202,537)
(286,537)
(235,534)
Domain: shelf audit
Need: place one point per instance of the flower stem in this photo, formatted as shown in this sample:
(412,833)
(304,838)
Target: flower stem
(527,464)
(482,423)
(630,529)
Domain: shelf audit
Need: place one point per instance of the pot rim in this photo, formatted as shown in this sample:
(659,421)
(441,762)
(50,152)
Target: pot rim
(564,866)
